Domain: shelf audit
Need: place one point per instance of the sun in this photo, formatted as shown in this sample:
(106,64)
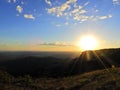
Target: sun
(88,42)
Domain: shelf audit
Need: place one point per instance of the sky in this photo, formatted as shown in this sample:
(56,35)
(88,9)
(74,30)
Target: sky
(58,25)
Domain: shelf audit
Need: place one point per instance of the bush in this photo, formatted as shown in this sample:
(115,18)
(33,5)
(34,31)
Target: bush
(5,77)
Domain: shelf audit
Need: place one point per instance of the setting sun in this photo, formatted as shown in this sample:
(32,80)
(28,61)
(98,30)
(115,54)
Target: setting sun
(88,43)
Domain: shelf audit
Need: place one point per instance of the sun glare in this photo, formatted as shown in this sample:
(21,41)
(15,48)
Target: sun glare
(88,43)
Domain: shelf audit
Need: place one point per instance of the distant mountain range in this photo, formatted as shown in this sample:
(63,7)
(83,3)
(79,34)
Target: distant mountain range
(57,67)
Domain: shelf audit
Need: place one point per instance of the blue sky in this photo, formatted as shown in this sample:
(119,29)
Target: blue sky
(46,25)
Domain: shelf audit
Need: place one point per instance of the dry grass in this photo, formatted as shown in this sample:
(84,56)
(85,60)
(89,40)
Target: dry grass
(96,80)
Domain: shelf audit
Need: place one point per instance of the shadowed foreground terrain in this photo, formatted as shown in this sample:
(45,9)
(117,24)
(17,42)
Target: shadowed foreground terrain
(96,80)
(92,70)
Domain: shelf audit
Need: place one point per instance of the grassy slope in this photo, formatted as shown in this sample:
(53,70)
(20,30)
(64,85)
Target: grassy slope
(96,80)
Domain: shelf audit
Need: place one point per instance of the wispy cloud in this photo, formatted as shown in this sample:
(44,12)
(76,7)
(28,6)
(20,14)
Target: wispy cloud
(19,9)
(110,16)
(66,23)
(71,10)
(116,2)
(81,18)
(29,16)
(14,1)
(86,3)
(58,25)
(48,2)
(3,45)
(22,2)
(60,10)
(105,17)
(9,1)
(56,44)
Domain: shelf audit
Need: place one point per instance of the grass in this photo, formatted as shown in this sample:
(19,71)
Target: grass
(96,80)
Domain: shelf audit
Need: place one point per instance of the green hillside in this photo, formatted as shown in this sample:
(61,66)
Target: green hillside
(97,80)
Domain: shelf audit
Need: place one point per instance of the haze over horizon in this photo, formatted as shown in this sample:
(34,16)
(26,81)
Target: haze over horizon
(58,25)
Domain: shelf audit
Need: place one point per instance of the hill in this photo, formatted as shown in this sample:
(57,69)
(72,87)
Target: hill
(95,60)
(35,66)
(107,79)
(56,67)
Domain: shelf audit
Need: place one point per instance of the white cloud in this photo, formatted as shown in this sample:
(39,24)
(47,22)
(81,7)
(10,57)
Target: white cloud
(110,16)
(66,23)
(58,25)
(103,17)
(86,3)
(29,16)
(81,18)
(68,10)
(64,7)
(71,10)
(116,2)
(19,9)
(48,2)
(14,1)
(71,1)
(82,11)
(9,1)
(77,9)
(52,10)
(59,10)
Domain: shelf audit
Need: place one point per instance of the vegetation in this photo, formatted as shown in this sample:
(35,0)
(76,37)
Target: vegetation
(98,71)
(96,80)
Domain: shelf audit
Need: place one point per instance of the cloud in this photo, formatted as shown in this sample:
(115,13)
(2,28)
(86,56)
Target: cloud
(48,2)
(22,2)
(66,23)
(52,10)
(86,3)
(59,10)
(58,25)
(29,16)
(109,16)
(9,1)
(56,44)
(72,10)
(3,45)
(116,2)
(77,9)
(19,9)
(14,1)
(105,17)
(81,18)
